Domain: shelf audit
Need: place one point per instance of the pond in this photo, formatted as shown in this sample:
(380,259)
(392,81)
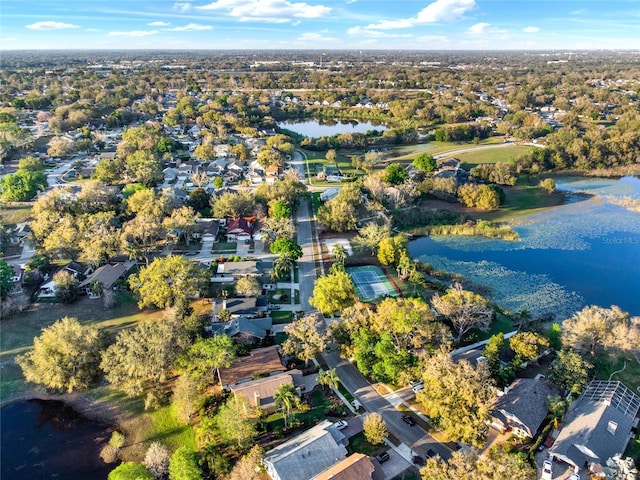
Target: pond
(327,127)
(43,439)
(586,252)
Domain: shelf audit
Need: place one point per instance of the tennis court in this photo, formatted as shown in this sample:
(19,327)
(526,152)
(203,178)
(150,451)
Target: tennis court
(371,283)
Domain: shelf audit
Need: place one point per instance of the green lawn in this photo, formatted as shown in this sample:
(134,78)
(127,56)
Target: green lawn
(280,317)
(224,247)
(166,429)
(14,213)
(19,330)
(409,152)
(523,198)
(359,444)
(503,154)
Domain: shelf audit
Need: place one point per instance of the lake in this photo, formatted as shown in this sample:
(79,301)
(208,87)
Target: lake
(585,252)
(326,127)
(44,439)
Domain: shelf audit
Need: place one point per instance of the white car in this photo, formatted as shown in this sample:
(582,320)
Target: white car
(415,383)
(341,424)
(418,387)
(547,472)
(574,476)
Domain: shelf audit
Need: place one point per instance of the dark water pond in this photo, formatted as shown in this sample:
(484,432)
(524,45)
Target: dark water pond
(327,127)
(47,439)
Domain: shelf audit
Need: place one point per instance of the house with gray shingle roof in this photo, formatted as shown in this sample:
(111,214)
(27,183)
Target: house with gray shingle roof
(598,425)
(244,330)
(306,455)
(523,407)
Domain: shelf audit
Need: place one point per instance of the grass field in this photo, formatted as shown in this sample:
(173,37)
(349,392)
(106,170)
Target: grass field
(409,152)
(503,154)
(19,330)
(12,214)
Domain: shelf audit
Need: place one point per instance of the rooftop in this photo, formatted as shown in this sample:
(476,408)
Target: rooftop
(259,361)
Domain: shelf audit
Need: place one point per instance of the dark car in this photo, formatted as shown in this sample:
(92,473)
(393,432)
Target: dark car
(383,457)
(409,420)
(430,453)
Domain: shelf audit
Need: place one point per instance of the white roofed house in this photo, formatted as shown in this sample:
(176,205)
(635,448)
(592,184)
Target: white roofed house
(306,455)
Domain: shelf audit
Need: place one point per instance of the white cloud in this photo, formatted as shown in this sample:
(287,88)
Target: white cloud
(190,27)
(159,24)
(50,25)
(316,37)
(366,32)
(438,11)
(271,11)
(531,29)
(182,6)
(133,33)
(478,28)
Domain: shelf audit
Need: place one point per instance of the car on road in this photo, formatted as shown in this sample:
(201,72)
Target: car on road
(341,424)
(547,472)
(408,419)
(382,457)
(418,387)
(430,454)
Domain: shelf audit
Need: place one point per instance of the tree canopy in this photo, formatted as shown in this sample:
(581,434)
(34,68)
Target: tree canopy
(22,185)
(65,357)
(333,292)
(304,338)
(168,281)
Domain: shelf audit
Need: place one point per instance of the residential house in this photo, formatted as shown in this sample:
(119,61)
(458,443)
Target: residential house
(597,426)
(78,270)
(249,307)
(206,228)
(261,392)
(523,408)
(244,330)
(356,466)
(260,361)
(16,280)
(106,276)
(306,455)
(240,269)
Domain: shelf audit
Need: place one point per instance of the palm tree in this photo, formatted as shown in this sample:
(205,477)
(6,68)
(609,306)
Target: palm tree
(328,378)
(285,397)
(282,265)
(339,253)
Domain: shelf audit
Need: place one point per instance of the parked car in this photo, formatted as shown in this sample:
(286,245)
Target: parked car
(341,424)
(414,383)
(547,472)
(418,460)
(408,419)
(383,457)
(418,387)
(430,454)
(574,476)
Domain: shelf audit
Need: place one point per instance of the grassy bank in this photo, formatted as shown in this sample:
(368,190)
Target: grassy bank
(482,228)
(503,154)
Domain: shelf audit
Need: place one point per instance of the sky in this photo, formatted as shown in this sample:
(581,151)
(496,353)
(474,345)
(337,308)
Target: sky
(320,24)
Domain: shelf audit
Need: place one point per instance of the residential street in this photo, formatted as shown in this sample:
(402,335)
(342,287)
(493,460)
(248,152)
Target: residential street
(413,436)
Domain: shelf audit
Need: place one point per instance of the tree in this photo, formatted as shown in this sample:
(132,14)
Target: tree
(286,248)
(182,219)
(331,155)
(328,378)
(280,209)
(204,152)
(6,275)
(157,461)
(492,352)
(248,286)
(199,199)
(464,309)
(591,330)
(276,227)
(341,213)
(548,185)
(395,174)
(304,338)
(142,166)
(250,466)
(333,292)
(285,398)
(457,396)
(391,249)
(371,235)
(236,421)
(186,398)
(66,356)
(66,286)
(31,163)
(168,281)
(527,346)
(425,163)
(218,182)
(339,253)
(130,471)
(468,465)
(206,357)
(569,371)
(22,185)
(183,465)
(109,171)
(269,157)
(143,355)
(233,205)
(375,428)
